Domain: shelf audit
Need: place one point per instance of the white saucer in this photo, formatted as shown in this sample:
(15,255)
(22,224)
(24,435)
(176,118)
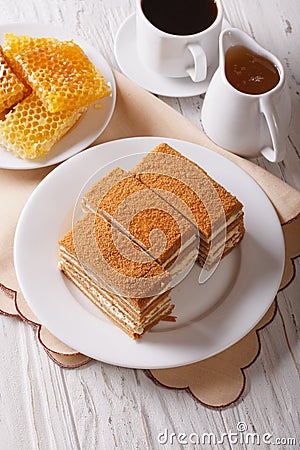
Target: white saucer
(128,61)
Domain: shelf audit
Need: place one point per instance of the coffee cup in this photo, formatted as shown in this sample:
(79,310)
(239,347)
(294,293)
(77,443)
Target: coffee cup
(247,107)
(177,38)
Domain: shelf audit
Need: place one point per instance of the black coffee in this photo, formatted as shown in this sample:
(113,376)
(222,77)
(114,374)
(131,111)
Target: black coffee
(181,17)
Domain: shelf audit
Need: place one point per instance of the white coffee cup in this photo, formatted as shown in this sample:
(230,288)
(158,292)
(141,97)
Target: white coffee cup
(178,56)
(247,124)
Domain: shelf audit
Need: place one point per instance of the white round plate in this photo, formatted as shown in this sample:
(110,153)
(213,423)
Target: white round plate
(211,316)
(128,61)
(89,126)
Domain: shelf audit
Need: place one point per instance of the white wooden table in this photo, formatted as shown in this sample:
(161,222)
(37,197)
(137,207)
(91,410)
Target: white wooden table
(103,407)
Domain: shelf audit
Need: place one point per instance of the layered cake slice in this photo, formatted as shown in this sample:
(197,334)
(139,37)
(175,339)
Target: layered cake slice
(146,218)
(215,212)
(122,280)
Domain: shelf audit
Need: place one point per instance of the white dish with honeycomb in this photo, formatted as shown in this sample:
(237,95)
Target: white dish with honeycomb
(90,125)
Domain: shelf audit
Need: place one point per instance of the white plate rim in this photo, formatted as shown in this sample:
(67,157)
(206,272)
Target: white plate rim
(131,350)
(57,154)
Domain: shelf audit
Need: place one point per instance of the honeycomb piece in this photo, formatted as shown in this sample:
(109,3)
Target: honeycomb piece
(12,90)
(59,72)
(30,130)
(15,44)
(3,114)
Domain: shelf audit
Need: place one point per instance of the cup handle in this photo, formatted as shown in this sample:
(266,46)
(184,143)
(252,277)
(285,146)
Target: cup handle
(275,153)
(199,71)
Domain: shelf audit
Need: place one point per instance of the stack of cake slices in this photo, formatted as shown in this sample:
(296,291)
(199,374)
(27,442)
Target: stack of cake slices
(45,86)
(103,264)
(142,230)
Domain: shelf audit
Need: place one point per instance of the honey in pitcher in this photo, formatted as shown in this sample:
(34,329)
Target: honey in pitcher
(249,72)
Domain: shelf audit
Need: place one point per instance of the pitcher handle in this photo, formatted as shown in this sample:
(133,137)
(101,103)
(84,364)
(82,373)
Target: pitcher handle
(199,71)
(277,151)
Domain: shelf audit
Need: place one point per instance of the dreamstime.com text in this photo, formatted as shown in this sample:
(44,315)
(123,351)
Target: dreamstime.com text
(240,436)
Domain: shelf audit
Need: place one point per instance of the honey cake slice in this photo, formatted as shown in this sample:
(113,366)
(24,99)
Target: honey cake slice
(169,169)
(100,261)
(12,90)
(139,213)
(59,72)
(29,130)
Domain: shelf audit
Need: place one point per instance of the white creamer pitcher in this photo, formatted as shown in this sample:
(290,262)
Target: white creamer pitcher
(247,124)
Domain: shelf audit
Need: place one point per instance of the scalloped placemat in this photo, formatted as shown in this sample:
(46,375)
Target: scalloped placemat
(217,381)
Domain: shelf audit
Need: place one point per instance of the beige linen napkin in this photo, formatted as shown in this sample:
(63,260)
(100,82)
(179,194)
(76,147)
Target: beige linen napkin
(218,381)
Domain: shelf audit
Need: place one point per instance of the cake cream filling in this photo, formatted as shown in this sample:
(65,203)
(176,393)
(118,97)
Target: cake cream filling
(109,304)
(180,250)
(76,265)
(86,268)
(218,249)
(183,265)
(214,254)
(220,229)
(229,244)
(175,271)
(153,284)
(87,279)
(96,289)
